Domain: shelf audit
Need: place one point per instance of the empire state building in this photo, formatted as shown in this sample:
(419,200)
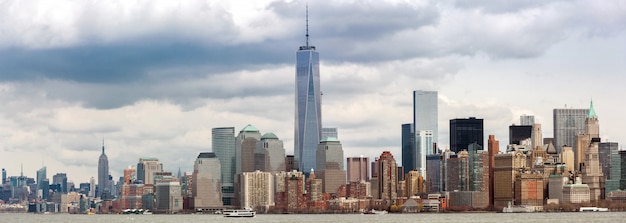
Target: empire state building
(103,173)
(308,120)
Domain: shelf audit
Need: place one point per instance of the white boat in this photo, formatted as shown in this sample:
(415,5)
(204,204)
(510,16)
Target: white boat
(375,212)
(246,212)
(582,209)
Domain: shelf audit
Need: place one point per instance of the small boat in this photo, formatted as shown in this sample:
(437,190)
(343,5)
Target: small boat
(377,212)
(246,212)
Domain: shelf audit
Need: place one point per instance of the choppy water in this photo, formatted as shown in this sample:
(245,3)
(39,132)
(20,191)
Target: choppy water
(335,218)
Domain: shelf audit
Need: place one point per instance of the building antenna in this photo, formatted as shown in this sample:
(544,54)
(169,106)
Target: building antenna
(307,26)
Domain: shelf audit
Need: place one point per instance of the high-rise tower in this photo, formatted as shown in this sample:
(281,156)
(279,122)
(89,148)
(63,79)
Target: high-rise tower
(103,173)
(308,114)
(425,113)
(223,144)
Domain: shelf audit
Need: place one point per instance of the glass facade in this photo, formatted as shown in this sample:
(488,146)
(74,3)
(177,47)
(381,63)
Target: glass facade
(424,144)
(464,132)
(408,147)
(425,113)
(308,120)
(223,144)
(568,123)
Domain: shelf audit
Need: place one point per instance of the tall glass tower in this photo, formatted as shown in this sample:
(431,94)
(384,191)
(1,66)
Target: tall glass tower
(223,144)
(308,124)
(425,114)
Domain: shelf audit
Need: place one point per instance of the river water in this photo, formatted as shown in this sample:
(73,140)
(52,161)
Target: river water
(334,218)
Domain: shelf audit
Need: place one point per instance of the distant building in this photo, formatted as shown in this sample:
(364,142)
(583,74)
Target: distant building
(529,189)
(103,174)
(358,169)
(290,163)
(206,182)
(257,190)
(387,177)
(223,144)
(290,192)
(269,154)
(434,172)
(414,183)
(464,132)
(61,180)
(168,197)
(146,168)
(425,113)
(245,144)
(576,193)
(330,164)
(41,178)
(568,123)
(517,133)
(409,150)
(505,171)
(527,119)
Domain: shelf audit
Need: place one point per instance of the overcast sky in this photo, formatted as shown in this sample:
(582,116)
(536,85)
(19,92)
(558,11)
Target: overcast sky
(153,77)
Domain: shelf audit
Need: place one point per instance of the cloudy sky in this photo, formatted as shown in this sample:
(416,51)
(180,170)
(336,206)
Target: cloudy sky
(153,77)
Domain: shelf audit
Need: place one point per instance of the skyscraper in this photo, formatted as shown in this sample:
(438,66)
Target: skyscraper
(308,114)
(245,144)
(568,124)
(408,147)
(330,164)
(424,147)
(464,132)
(223,144)
(103,173)
(41,177)
(270,154)
(146,168)
(207,192)
(60,179)
(387,177)
(425,113)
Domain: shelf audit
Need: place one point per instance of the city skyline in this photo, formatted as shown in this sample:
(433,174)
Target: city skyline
(155,86)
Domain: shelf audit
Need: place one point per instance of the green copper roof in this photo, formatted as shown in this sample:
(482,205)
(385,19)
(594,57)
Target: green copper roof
(592,112)
(249,128)
(330,139)
(269,136)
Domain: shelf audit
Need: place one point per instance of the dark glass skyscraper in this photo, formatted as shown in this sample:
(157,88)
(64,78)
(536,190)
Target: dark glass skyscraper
(103,173)
(517,133)
(408,148)
(464,132)
(308,120)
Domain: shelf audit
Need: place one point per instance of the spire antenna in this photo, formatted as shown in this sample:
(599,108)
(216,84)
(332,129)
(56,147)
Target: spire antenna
(307,25)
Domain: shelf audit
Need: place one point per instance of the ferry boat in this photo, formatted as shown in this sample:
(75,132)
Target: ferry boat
(246,212)
(583,209)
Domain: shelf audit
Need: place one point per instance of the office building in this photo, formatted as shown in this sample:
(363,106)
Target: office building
(223,144)
(103,173)
(330,164)
(270,154)
(424,147)
(358,169)
(464,132)
(168,197)
(41,177)
(425,113)
(245,144)
(61,180)
(206,182)
(519,133)
(606,150)
(409,150)
(592,172)
(568,123)
(308,114)
(434,172)
(147,168)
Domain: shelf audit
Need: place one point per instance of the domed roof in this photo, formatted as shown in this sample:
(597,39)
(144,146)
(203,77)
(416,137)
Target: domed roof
(249,128)
(269,136)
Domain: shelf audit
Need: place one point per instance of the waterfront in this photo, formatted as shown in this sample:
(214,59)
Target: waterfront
(320,218)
